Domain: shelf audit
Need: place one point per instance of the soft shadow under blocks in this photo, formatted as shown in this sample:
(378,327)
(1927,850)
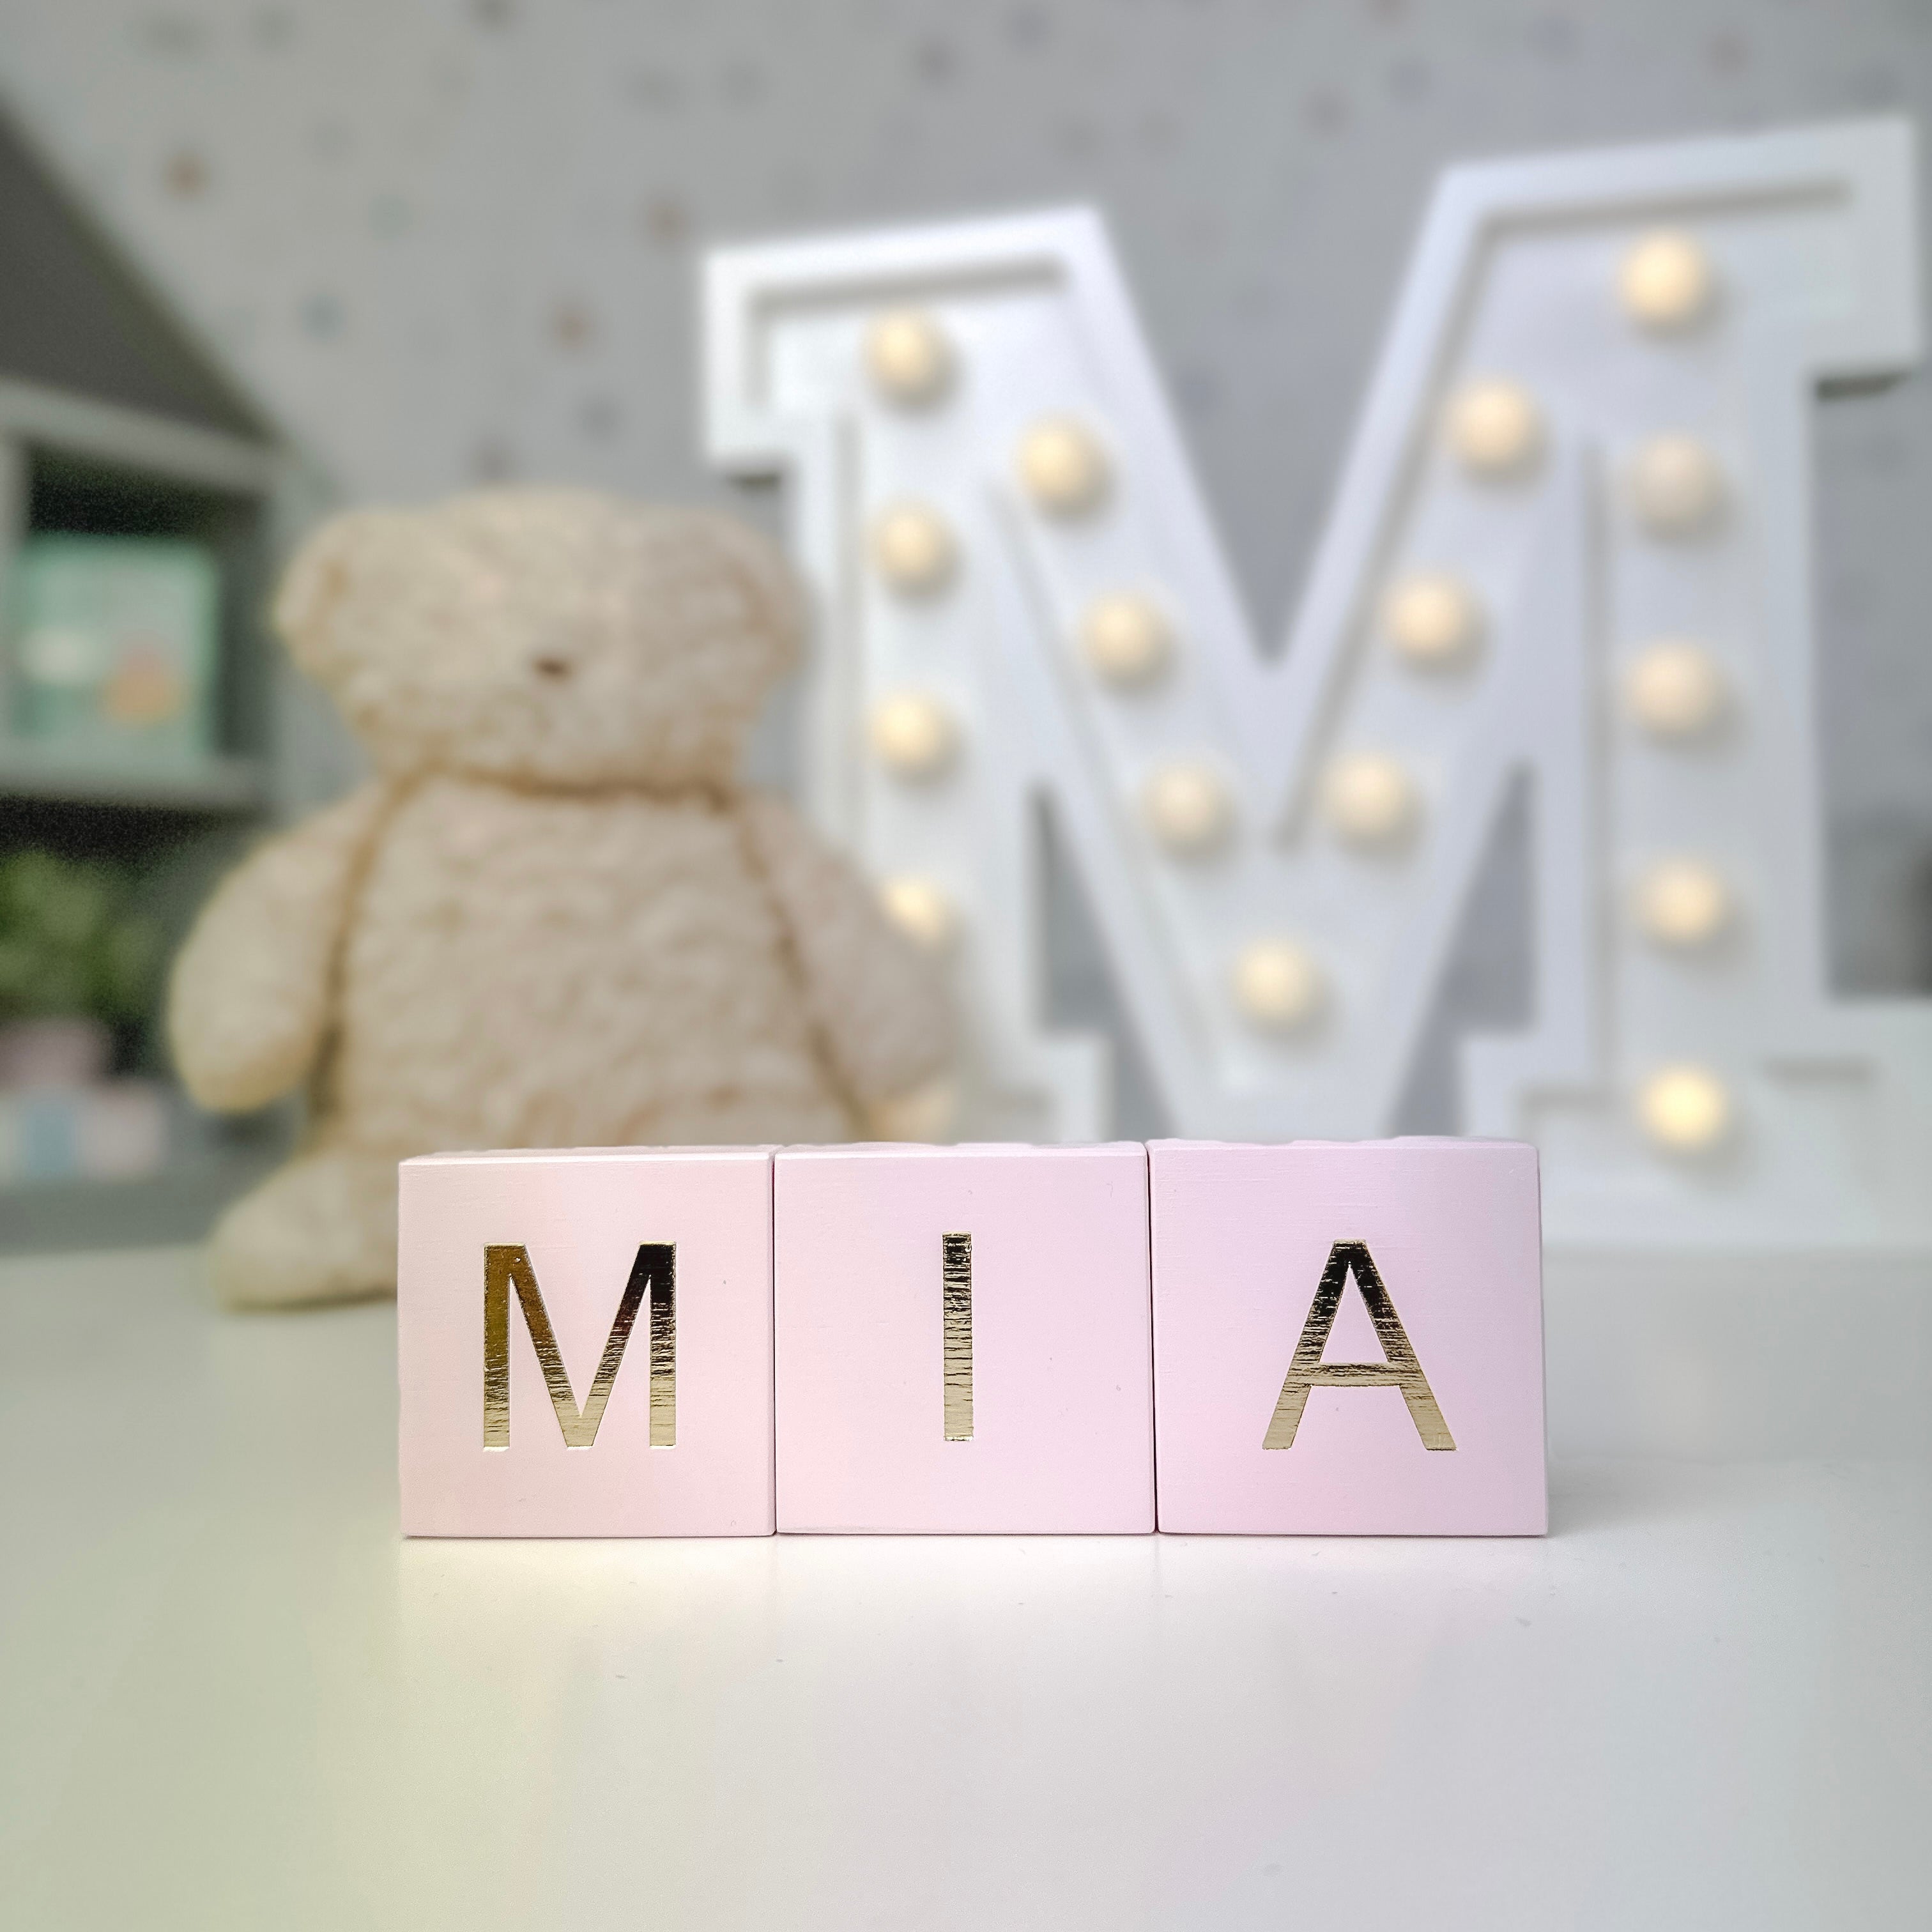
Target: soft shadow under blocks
(1321,1338)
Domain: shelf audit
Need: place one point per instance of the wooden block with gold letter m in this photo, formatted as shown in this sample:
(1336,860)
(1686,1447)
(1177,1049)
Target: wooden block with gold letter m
(586,1343)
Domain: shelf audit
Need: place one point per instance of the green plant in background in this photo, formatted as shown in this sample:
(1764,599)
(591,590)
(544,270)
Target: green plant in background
(69,946)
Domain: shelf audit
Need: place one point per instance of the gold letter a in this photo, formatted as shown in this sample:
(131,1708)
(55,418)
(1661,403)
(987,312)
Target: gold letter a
(1401,1370)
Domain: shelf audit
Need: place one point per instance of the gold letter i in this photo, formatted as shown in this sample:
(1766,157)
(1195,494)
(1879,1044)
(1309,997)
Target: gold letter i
(956,1319)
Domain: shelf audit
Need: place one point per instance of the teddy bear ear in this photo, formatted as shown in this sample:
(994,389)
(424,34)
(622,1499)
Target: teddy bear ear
(316,578)
(760,567)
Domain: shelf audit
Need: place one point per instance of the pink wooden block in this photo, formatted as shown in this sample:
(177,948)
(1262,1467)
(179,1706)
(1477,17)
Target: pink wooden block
(683,1446)
(1243,1237)
(889,1418)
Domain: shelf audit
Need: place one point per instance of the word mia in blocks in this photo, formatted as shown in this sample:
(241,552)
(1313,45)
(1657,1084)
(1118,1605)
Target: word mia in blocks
(1320,1338)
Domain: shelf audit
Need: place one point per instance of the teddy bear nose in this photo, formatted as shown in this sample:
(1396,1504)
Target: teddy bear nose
(551,666)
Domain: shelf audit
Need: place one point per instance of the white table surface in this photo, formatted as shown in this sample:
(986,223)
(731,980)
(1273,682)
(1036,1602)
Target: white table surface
(231,1696)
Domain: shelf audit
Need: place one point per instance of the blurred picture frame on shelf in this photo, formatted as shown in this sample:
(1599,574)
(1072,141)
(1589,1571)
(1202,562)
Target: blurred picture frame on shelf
(112,645)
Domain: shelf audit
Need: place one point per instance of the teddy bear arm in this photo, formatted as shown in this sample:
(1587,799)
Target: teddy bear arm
(879,1006)
(248,1003)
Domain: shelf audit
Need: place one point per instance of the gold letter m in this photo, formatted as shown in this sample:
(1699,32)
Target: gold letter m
(1401,1370)
(654,1272)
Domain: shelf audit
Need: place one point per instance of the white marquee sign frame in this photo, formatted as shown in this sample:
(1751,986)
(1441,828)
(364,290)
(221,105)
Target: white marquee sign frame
(1571,541)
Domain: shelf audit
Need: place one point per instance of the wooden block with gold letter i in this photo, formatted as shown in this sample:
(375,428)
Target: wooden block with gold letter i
(585,1343)
(1349,1338)
(964,1340)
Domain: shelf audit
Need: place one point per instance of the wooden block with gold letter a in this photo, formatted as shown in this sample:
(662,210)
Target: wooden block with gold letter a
(1349,1338)
(585,1343)
(963,1339)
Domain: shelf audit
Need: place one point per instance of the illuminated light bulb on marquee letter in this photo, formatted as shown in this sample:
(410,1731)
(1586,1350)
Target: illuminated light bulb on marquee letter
(908,359)
(1496,430)
(1062,468)
(912,550)
(1675,690)
(1187,808)
(1433,620)
(921,909)
(1685,1110)
(1666,283)
(1676,488)
(1278,986)
(1682,903)
(913,735)
(1127,639)
(1369,800)
(1531,369)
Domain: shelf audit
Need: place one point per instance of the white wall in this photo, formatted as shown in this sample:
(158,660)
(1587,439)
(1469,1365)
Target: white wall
(445,240)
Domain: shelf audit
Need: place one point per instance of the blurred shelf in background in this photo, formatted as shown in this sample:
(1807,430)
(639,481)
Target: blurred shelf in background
(124,450)
(219,784)
(175,1205)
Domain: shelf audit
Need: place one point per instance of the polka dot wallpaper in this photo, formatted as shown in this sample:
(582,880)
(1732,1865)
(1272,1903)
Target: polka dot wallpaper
(451,241)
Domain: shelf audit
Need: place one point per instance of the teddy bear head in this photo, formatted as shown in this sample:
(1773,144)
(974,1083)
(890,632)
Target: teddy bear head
(544,637)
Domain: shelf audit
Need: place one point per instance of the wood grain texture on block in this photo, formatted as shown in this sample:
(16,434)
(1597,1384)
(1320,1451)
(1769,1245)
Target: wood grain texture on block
(585,1343)
(1349,1338)
(964,1339)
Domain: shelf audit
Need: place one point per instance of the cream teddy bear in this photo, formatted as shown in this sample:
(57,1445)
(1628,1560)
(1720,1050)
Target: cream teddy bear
(554,917)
